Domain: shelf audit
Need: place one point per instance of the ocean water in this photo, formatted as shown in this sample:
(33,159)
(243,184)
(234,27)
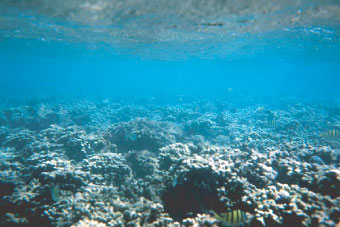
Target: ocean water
(169,113)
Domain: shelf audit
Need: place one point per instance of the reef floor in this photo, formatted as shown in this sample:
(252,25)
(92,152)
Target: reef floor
(127,161)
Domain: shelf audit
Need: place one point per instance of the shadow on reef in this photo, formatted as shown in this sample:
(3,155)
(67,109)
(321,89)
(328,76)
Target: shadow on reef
(187,200)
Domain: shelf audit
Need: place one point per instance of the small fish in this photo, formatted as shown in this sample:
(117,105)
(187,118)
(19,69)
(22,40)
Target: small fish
(180,97)
(272,123)
(317,160)
(331,134)
(260,108)
(131,136)
(55,192)
(231,219)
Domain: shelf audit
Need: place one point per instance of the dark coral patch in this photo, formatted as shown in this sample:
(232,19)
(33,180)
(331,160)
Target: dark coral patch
(187,200)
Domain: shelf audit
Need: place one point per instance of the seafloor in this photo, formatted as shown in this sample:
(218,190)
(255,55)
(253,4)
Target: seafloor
(127,161)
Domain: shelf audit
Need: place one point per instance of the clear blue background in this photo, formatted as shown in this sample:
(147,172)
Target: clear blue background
(30,67)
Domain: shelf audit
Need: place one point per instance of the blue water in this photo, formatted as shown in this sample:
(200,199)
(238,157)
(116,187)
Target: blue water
(279,49)
(29,66)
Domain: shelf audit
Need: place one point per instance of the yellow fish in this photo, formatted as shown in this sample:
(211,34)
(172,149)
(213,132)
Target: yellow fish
(55,192)
(231,219)
(331,134)
(271,123)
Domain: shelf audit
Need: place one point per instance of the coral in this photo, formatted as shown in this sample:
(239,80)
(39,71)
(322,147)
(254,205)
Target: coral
(129,161)
(143,134)
(107,168)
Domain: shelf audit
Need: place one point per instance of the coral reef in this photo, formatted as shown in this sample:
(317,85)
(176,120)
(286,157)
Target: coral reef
(151,164)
